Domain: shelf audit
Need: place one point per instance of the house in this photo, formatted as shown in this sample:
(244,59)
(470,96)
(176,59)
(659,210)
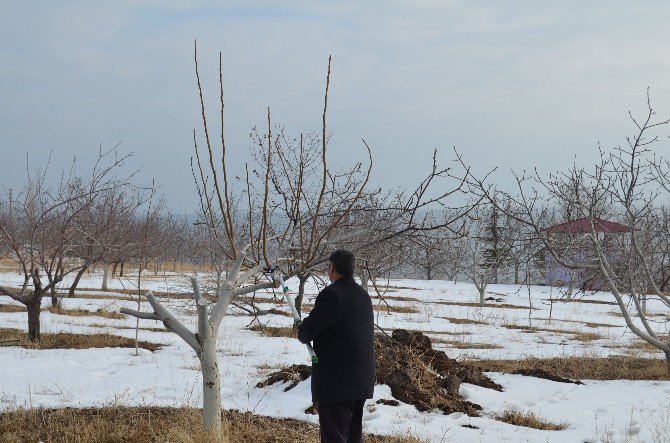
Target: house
(572,245)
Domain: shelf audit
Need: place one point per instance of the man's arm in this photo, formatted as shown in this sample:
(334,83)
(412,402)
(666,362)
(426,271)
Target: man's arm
(327,310)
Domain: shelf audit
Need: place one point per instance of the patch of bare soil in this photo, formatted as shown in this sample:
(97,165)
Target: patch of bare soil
(155,424)
(416,373)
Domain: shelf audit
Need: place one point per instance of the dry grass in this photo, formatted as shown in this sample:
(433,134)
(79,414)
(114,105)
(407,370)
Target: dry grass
(12,308)
(600,325)
(586,336)
(463,321)
(581,300)
(589,368)
(395,297)
(576,335)
(125,425)
(101,325)
(64,340)
(529,420)
(394,308)
(83,313)
(274,331)
(644,346)
(466,345)
(477,305)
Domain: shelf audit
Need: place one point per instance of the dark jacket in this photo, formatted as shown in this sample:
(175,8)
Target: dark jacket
(341,325)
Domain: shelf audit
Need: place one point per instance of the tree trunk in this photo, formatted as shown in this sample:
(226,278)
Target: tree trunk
(301,294)
(114,269)
(667,361)
(364,280)
(211,386)
(105,277)
(76,281)
(34,320)
(121,269)
(55,302)
(516,272)
(482,291)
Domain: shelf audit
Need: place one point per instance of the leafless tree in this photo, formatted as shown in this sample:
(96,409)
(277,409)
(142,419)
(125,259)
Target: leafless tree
(628,184)
(44,226)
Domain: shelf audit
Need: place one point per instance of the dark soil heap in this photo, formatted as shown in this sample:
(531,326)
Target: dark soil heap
(416,373)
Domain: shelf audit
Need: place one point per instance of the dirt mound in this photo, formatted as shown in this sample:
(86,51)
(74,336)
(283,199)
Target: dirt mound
(424,377)
(541,373)
(416,373)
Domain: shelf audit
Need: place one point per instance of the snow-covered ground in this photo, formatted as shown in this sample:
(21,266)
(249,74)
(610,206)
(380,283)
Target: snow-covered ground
(614,411)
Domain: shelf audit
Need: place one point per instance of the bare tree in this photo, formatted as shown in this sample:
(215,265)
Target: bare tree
(629,183)
(44,226)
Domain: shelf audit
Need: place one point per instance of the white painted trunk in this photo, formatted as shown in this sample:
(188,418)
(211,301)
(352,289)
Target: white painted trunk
(105,277)
(211,386)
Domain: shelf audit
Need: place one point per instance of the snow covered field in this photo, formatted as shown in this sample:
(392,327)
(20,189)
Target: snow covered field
(614,411)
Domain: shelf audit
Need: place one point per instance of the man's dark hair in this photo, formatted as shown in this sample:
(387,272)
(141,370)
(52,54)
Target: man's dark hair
(343,261)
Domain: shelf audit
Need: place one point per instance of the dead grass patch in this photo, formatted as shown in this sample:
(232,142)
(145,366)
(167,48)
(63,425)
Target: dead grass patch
(466,345)
(84,313)
(644,346)
(576,335)
(486,305)
(12,308)
(101,325)
(581,300)
(463,321)
(65,340)
(274,331)
(154,424)
(395,308)
(586,336)
(600,325)
(650,314)
(529,420)
(587,324)
(589,368)
(395,298)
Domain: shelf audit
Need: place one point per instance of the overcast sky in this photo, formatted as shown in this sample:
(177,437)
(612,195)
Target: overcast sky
(514,84)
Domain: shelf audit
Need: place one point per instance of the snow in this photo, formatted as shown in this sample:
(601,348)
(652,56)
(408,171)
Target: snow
(613,411)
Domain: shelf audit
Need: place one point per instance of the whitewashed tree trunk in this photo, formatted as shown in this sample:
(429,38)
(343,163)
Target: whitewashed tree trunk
(481,287)
(105,277)
(204,341)
(211,385)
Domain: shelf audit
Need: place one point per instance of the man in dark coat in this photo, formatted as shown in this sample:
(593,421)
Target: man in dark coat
(341,325)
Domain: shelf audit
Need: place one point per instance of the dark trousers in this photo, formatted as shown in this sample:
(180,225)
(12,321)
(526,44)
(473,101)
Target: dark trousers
(341,422)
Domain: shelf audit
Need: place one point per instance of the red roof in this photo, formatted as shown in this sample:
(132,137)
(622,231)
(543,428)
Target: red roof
(582,225)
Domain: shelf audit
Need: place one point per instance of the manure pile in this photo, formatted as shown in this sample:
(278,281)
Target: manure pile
(416,373)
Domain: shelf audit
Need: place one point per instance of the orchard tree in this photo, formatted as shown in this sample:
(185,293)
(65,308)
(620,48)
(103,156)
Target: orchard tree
(44,227)
(630,183)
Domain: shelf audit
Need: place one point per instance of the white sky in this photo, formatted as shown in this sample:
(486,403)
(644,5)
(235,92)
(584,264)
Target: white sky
(514,85)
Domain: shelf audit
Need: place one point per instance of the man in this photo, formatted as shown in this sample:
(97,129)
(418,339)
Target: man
(341,325)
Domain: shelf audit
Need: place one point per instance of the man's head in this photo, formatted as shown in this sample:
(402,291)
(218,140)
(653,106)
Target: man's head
(341,265)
